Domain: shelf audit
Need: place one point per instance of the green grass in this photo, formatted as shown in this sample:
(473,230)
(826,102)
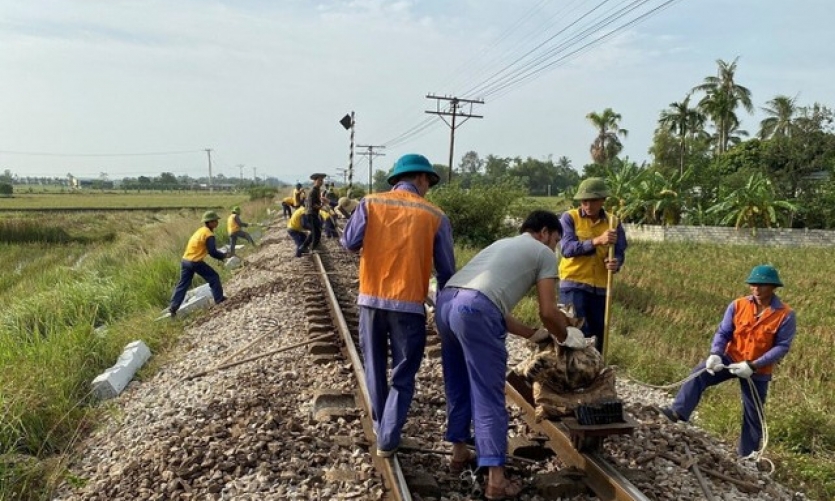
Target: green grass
(55,296)
(108,200)
(667,303)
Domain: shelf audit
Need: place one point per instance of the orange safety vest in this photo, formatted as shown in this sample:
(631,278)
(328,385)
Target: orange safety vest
(232,224)
(754,336)
(398,246)
(196,248)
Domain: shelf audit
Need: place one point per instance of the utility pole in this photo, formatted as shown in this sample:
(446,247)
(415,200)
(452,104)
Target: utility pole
(454,111)
(254,176)
(370,154)
(211,184)
(241,168)
(344,174)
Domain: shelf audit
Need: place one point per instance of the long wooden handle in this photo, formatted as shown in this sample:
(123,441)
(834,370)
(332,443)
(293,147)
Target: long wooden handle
(609,279)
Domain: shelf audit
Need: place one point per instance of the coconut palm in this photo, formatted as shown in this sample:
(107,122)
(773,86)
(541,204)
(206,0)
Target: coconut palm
(607,143)
(780,121)
(722,97)
(683,120)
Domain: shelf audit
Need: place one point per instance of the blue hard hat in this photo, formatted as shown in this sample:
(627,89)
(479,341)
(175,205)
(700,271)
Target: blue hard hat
(413,163)
(764,274)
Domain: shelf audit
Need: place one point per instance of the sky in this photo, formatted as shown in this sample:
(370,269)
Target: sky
(125,88)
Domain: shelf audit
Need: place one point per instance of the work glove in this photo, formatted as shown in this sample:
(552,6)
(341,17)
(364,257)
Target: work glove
(742,369)
(574,339)
(540,335)
(713,364)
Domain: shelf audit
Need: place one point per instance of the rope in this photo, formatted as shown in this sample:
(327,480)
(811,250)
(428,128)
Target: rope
(758,455)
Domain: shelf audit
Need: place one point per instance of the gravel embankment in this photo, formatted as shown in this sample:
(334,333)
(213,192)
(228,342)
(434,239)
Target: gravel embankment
(248,432)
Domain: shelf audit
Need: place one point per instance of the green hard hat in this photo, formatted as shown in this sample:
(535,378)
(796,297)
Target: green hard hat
(210,215)
(236,209)
(413,163)
(593,188)
(764,274)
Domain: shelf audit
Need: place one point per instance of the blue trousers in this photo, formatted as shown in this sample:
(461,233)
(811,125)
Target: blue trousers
(234,238)
(288,210)
(315,235)
(474,358)
(690,394)
(330,228)
(404,334)
(298,238)
(591,307)
(187,271)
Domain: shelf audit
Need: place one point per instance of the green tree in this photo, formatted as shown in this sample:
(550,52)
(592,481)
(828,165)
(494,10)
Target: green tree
(381,181)
(496,167)
(780,119)
(6,189)
(722,97)
(754,205)
(477,215)
(471,163)
(684,121)
(607,144)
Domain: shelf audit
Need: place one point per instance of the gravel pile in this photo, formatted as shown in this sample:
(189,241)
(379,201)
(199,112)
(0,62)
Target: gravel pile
(250,432)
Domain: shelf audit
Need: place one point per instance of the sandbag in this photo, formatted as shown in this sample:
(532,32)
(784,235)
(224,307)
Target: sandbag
(564,378)
(554,405)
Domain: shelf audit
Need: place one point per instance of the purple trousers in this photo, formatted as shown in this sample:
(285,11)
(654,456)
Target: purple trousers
(404,334)
(474,358)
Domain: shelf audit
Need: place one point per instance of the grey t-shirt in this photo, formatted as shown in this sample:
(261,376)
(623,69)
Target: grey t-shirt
(505,270)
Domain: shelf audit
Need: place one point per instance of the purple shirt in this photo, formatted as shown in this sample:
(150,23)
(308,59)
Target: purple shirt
(443,256)
(571,246)
(782,339)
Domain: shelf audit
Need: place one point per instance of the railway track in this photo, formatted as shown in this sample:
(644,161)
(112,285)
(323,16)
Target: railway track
(290,422)
(600,476)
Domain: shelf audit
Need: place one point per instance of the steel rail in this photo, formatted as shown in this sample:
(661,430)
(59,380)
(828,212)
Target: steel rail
(606,482)
(390,468)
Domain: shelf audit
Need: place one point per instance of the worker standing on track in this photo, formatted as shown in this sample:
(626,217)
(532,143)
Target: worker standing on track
(234,228)
(312,206)
(201,244)
(401,235)
(585,263)
(756,332)
(473,319)
(298,196)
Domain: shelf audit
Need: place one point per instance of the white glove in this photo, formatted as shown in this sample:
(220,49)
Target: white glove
(540,335)
(713,364)
(741,369)
(574,339)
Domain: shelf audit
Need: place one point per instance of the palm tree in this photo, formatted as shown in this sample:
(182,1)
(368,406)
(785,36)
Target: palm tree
(780,121)
(722,96)
(607,143)
(683,120)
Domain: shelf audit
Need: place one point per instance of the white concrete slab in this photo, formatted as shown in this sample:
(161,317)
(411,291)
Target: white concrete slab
(112,381)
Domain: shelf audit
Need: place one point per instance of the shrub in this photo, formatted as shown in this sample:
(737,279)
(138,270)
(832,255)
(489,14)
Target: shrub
(259,192)
(6,189)
(478,215)
(357,191)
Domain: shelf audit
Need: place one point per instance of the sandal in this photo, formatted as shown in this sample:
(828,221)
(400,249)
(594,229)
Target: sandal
(509,490)
(457,466)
